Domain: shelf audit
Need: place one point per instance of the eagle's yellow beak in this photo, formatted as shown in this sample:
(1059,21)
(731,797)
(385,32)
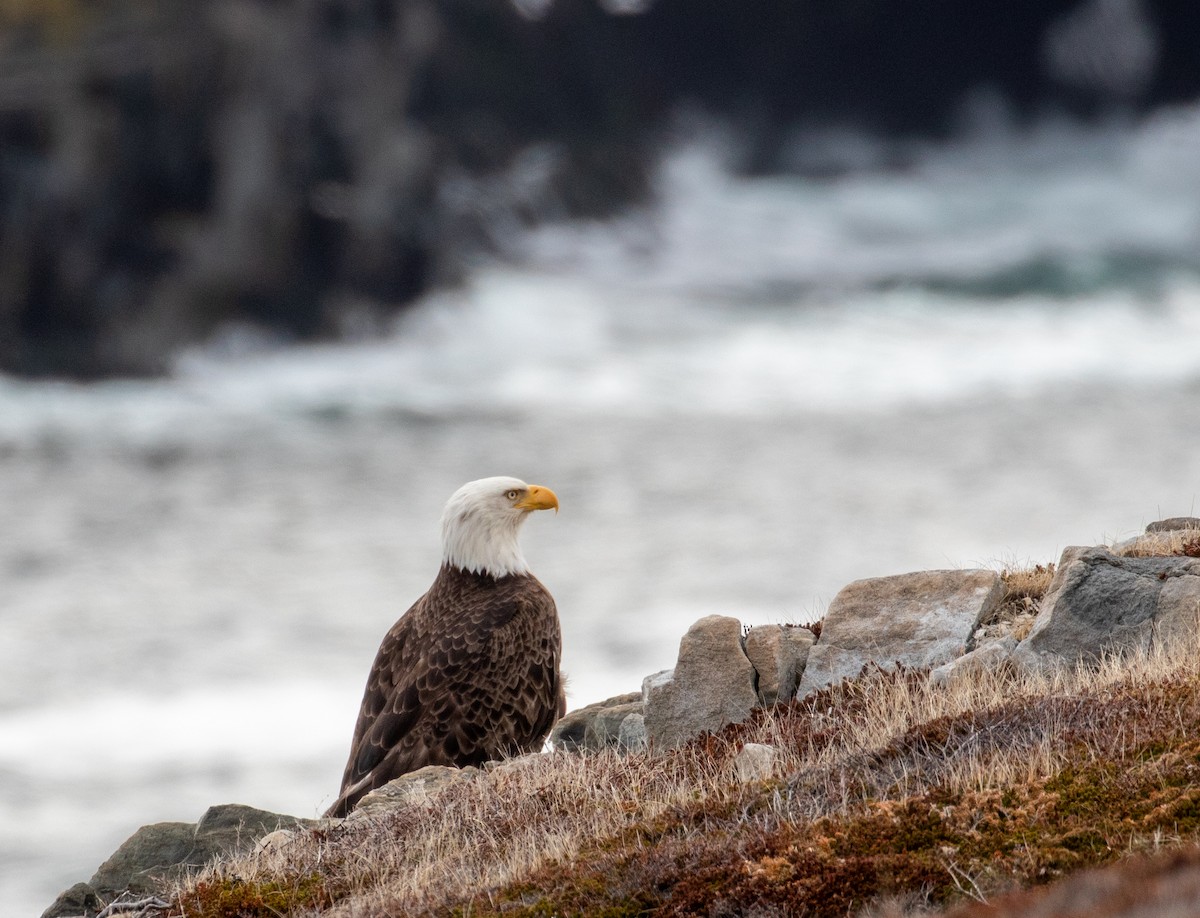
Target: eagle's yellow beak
(538,498)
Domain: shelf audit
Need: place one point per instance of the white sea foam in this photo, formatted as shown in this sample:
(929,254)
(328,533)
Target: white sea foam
(998,267)
(516,340)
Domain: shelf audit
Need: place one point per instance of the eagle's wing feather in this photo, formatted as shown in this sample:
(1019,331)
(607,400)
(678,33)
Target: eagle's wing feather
(469,673)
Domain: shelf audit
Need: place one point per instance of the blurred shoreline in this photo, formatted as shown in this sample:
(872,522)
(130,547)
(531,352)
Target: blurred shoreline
(169,169)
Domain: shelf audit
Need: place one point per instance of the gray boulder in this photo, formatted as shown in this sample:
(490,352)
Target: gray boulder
(604,731)
(596,725)
(985,658)
(712,685)
(755,762)
(918,620)
(80,899)
(1102,602)
(778,654)
(419,786)
(1175,524)
(158,853)
(632,735)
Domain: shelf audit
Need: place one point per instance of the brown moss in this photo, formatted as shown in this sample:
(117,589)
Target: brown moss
(233,897)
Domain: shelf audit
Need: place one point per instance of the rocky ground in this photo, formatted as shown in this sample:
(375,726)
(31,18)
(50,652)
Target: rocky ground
(937,741)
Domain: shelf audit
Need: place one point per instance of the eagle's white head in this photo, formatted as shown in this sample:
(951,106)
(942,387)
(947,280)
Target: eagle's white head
(481,522)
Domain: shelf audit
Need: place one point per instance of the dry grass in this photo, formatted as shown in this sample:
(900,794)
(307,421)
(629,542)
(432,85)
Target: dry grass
(1155,544)
(1024,588)
(888,792)
(567,832)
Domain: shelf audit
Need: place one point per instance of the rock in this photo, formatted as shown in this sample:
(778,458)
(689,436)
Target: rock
(158,853)
(604,730)
(420,786)
(1100,602)
(571,731)
(1175,524)
(147,857)
(755,762)
(798,644)
(80,899)
(632,735)
(985,658)
(778,654)
(655,681)
(917,620)
(274,841)
(712,685)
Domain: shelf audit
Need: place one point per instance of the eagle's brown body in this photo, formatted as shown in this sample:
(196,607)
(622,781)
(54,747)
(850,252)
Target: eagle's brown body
(469,673)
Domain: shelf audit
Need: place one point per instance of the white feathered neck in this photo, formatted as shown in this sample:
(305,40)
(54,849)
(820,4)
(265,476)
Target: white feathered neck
(480,526)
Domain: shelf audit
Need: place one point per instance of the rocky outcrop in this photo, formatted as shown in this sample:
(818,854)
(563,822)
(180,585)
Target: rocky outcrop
(916,620)
(166,850)
(1100,602)
(778,654)
(985,658)
(712,685)
(592,727)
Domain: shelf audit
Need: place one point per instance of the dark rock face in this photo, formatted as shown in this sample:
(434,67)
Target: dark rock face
(1099,602)
(166,168)
(166,850)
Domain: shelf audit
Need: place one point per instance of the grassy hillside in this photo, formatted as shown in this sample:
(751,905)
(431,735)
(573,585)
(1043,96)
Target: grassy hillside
(889,795)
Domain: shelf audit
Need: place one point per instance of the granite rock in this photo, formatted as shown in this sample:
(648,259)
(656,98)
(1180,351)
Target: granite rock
(1099,602)
(755,762)
(159,853)
(576,730)
(778,654)
(1175,524)
(632,735)
(917,620)
(984,658)
(420,787)
(712,685)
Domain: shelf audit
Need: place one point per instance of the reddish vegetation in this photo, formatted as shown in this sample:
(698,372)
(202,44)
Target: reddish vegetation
(1129,768)
(1164,886)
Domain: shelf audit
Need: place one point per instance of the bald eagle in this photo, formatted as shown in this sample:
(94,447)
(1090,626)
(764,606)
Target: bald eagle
(470,672)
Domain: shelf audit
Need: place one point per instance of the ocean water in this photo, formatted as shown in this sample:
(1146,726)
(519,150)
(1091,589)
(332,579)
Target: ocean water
(746,397)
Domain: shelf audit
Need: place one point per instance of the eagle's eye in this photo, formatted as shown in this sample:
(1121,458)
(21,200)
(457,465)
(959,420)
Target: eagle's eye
(512,495)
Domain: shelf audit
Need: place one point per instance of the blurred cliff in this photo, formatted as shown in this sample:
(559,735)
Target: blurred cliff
(307,168)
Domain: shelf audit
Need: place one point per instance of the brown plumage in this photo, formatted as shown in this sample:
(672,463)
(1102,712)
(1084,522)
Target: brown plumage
(470,672)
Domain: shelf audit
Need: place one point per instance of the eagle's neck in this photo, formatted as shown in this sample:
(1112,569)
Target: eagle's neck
(479,543)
